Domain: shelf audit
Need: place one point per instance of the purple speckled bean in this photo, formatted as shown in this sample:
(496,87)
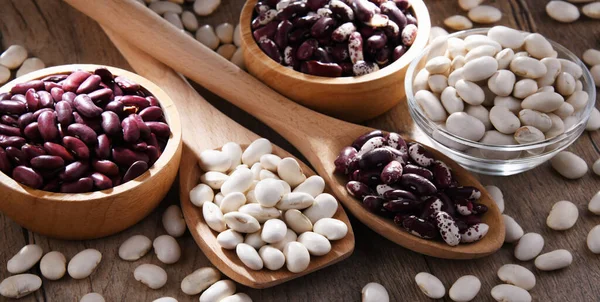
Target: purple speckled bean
(270,48)
(442,174)
(105,167)
(86,107)
(76,146)
(431,206)
(316,4)
(101,181)
(136,169)
(463,206)
(409,34)
(27,176)
(397,194)
(341,10)
(396,141)
(90,84)
(398,52)
(373,204)
(281,34)
(323,27)
(355,47)
(467,192)
(401,205)
(305,21)
(413,169)
(102,149)
(383,56)
(376,159)
(264,18)
(297,8)
(391,173)
(420,155)
(342,162)
(364,67)
(420,227)
(324,58)
(448,228)
(266,32)
(479,208)
(361,140)
(306,49)
(22,88)
(418,183)
(261,7)
(81,185)
(394,13)
(358,189)
(377,41)
(75,79)
(342,33)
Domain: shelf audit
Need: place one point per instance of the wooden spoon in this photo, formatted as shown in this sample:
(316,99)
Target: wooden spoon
(318,137)
(207,128)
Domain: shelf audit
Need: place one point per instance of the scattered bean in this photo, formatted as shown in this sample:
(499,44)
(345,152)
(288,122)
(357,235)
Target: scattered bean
(18,286)
(569,165)
(513,230)
(554,260)
(53,265)
(199,280)
(563,216)
(374,292)
(84,263)
(529,246)
(510,293)
(167,249)
(562,11)
(135,247)
(517,275)
(430,285)
(465,288)
(25,259)
(151,275)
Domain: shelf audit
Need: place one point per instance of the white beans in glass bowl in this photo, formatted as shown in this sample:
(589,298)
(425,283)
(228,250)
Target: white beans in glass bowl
(495,151)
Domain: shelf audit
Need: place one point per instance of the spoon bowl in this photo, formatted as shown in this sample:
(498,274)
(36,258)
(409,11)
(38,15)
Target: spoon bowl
(318,137)
(202,136)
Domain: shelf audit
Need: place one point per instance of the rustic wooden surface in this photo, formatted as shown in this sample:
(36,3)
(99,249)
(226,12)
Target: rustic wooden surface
(58,34)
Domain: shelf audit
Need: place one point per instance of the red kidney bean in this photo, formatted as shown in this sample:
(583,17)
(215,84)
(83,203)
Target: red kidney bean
(105,167)
(36,114)
(140,146)
(131,132)
(152,141)
(48,86)
(32,151)
(33,100)
(418,184)
(136,169)
(11,141)
(83,132)
(159,128)
(81,185)
(143,127)
(55,78)
(153,154)
(75,79)
(152,101)
(376,158)
(126,157)
(9,120)
(86,107)
(12,107)
(358,189)
(151,114)
(281,34)
(323,69)
(5,165)
(467,192)
(27,176)
(76,146)
(391,172)
(46,100)
(69,97)
(102,149)
(104,94)
(270,48)
(104,74)
(58,150)
(47,162)
(22,88)
(57,94)
(20,98)
(16,155)
(9,130)
(74,171)
(64,113)
(90,84)
(47,125)
(25,120)
(101,181)
(134,100)
(420,227)
(111,124)
(5,96)
(115,106)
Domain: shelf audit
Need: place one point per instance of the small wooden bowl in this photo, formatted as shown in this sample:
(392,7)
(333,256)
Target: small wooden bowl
(101,213)
(354,99)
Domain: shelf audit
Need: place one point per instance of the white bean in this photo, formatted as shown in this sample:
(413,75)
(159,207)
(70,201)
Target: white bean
(272,258)
(593,123)
(480,68)
(571,67)
(18,286)
(517,275)
(457,63)
(563,216)
(332,229)
(241,222)
(214,179)
(543,101)
(232,202)
(420,82)
(226,51)
(92,297)
(558,126)
(430,285)
(295,200)
(374,292)
(481,113)
(431,105)
(316,244)
(553,68)
(237,36)
(199,280)
(268,192)
(565,110)
(151,275)
(593,240)
(525,88)
(297,221)
(289,170)
(53,265)
(502,82)
(497,196)
(173,221)
(513,230)
(504,120)
(325,206)
(510,293)
(135,248)
(167,249)
(528,67)
(466,126)
(562,11)
(473,41)
(189,20)
(458,22)
(569,165)
(485,14)
(30,65)
(578,100)
(436,32)
(465,288)
(438,65)
(466,5)
(205,7)
(592,10)
(200,194)
(270,162)
(451,101)
(229,239)
(313,185)
(504,58)
(529,246)
(239,297)
(225,33)
(554,260)
(565,84)
(174,19)
(456,47)
(25,259)
(594,204)
(218,290)
(239,181)
(165,299)
(13,56)
(290,236)
(4,74)
(161,7)
(249,256)
(494,137)
(537,46)
(297,257)
(437,83)
(255,150)
(84,263)
(213,216)
(273,230)
(511,103)
(234,152)
(506,36)
(259,212)
(437,46)
(591,57)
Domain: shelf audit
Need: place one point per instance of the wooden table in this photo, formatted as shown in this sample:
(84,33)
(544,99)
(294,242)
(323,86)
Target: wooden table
(58,34)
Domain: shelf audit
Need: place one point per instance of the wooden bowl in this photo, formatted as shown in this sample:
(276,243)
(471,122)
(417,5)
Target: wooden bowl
(354,99)
(101,213)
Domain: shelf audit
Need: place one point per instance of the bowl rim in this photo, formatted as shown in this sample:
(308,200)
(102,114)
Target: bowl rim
(173,144)
(414,108)
(251,47)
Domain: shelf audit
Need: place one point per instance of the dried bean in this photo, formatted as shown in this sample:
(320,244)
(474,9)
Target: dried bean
(75,79)
(418,184)
(83,132)
(90,84)
(81,185)
(135,170)
(47,162)
(76,146)
(47,125)
(159,128)
(11,141)
(27,176)
(22,88)
(419,227)
(58,150)
(12,107)
(86,107)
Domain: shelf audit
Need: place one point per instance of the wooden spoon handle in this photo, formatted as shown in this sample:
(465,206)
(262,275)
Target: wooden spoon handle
(148,31)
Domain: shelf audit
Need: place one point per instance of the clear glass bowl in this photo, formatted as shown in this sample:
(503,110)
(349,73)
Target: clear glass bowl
(498,159)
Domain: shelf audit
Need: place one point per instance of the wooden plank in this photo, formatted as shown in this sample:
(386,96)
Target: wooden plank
(46,28)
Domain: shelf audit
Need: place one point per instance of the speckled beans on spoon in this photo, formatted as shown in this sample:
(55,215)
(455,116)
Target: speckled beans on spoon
(316,136)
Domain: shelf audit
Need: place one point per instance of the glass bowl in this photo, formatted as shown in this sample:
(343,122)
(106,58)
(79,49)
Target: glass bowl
(498,159)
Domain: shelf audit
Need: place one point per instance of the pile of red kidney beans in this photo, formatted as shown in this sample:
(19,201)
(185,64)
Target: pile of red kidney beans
(334,38)
(79,132)
(406,183)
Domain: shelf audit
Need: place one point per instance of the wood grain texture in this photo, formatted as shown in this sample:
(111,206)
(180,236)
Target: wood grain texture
(528,196)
